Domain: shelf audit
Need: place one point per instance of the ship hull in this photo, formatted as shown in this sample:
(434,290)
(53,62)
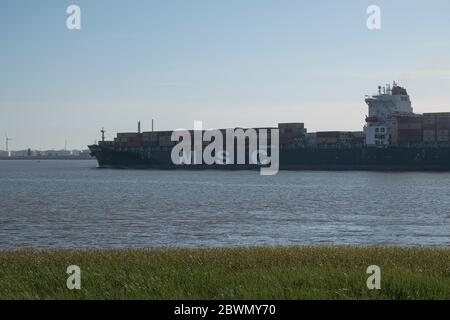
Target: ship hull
(357,158)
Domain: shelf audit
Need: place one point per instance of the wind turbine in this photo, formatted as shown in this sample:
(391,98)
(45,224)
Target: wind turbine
(7,140)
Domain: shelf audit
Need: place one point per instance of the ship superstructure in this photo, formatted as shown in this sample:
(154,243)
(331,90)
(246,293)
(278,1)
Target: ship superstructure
(383,108)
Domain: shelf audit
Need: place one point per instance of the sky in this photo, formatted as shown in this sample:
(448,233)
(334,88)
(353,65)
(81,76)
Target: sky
(230,63)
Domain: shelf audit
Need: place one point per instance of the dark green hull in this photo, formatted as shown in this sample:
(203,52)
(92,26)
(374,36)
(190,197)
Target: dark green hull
(357,158)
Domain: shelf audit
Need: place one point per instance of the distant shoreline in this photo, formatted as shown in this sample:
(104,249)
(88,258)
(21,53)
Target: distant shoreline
(46,158)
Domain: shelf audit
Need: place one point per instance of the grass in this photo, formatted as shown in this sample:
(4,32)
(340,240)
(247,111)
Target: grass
(228,273)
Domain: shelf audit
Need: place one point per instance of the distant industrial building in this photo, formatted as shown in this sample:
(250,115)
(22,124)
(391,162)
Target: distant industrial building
(20,153)
(46,154)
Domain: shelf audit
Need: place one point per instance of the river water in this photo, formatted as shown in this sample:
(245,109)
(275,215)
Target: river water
(73,204)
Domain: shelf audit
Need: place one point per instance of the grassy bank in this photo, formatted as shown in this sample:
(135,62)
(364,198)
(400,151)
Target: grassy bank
(242,273)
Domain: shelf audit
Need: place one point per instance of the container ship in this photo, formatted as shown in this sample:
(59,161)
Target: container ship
(393,138)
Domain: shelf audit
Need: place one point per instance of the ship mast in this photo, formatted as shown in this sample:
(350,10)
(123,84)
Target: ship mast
(103,133)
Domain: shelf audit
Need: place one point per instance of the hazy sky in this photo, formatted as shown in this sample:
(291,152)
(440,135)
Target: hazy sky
(228,63)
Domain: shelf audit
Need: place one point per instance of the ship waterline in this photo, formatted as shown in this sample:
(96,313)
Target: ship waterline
(363,158)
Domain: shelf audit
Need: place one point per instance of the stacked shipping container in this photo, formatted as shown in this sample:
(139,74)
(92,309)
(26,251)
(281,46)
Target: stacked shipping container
(442,127)
(429,127)
(406,129)
(436,127)
(403,129)
(129,139)
(339,138)
(292,134)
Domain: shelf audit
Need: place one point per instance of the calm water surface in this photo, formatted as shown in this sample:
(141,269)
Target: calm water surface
(72,204)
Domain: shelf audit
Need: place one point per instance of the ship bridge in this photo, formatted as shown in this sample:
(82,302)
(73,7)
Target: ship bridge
(388,102)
